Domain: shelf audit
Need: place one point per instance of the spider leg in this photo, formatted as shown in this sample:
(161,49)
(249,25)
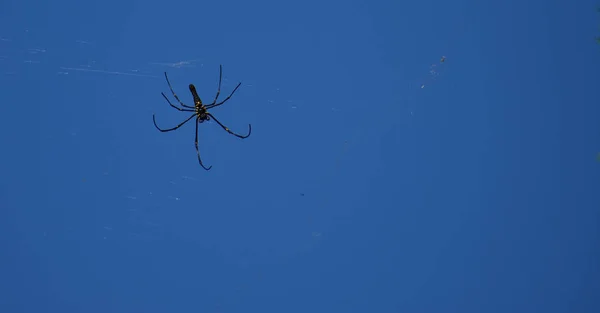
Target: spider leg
(219,88)
(229,131)
(212,105)
(174,95)
(178,108)
(174,128)
(198,151)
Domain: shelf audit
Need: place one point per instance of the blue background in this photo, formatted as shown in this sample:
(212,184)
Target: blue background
(358,191)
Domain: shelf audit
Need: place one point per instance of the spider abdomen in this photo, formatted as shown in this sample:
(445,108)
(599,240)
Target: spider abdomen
(197,100)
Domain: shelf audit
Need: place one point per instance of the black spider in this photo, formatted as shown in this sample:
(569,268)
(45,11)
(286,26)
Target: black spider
(200,112)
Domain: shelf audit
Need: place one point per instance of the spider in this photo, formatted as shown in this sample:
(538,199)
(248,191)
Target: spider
(200,111)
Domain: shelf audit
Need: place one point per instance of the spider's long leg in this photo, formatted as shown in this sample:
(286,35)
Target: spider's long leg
(219,88)
(198,151)
(178,108)
(229,131)
(174,95)
(218,104)
(174,128)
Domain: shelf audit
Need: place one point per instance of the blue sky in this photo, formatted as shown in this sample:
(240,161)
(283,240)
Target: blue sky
(358,191)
